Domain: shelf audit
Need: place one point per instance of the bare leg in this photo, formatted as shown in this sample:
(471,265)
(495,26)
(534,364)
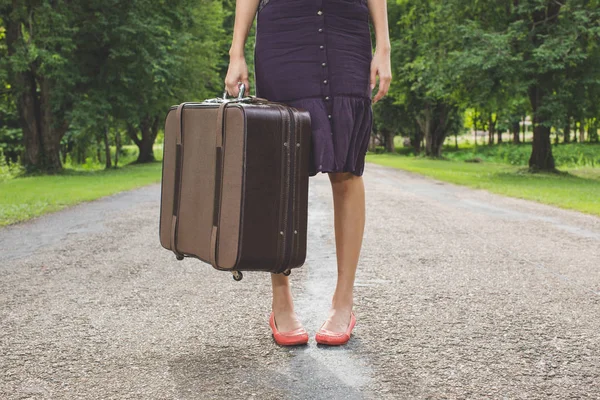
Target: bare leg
(349,218)
(283,304)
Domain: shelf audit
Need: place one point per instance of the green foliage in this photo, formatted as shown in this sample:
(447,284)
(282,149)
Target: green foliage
(11,142)
(500,59)
(565,155)
(8,169)
(106,65)
(112,68)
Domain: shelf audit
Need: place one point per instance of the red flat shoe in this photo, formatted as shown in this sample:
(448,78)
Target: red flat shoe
(330,338)
(290,338)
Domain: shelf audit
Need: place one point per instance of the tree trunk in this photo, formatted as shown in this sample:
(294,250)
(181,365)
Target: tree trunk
(425,124)
(541,154)
(51,135)
(538,93)
(594,136)
(117,146)
(475,127)
(418,137)
(36,118)
(99,150)
(146,152)
(418,143)
(107,148)
(80,155)
(516,130)
(132,133)
(140,143)
(491,130)
(28,109)
(434,124)
(64,153)
(389,141)
(581,131)
(149,129)
(567,130)
(498,131)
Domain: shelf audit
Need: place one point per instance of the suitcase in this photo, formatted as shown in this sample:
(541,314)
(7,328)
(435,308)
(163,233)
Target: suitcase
(234,187)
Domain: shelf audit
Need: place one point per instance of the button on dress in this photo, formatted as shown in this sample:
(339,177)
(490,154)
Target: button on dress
(316,55)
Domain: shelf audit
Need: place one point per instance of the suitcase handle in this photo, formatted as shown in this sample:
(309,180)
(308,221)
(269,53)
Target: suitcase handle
(240,96)
(241,99)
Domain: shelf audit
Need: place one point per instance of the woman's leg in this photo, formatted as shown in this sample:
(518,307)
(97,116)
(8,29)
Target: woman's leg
(283,305)
(349,219)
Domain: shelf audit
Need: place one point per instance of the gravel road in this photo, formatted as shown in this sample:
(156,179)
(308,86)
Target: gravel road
(460,294)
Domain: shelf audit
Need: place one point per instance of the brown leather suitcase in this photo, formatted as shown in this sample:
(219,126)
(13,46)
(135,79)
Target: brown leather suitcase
(234,190)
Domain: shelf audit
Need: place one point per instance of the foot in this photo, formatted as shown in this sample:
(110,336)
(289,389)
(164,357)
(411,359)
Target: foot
(283,304)
(294,337)
(335,338)
(338,320)
(286,320)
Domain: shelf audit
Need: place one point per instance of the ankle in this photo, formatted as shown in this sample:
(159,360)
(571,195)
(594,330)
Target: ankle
(279,308)
(342,302)
(282,304)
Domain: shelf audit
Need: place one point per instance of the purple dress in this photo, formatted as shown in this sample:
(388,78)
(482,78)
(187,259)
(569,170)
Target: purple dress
(316,55)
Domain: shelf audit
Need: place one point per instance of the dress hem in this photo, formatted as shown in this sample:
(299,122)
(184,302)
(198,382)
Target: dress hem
(325,171)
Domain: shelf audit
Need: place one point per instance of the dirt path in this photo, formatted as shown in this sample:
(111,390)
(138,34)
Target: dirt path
(460,294)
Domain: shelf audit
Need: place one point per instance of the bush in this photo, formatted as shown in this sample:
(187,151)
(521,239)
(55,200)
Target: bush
(8,169)
(565,155)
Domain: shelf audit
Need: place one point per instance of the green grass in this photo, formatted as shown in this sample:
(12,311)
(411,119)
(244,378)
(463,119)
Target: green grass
(23,198)
(578,188)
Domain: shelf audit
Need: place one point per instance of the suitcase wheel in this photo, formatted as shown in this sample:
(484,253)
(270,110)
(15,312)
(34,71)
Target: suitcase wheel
(287,272)
(237,275)
(179,257)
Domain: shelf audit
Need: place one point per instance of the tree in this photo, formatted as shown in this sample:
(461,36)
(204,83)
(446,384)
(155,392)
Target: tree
(39,44)
(102,60)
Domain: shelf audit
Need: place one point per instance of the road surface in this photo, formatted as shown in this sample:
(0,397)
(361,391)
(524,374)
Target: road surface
(459,294)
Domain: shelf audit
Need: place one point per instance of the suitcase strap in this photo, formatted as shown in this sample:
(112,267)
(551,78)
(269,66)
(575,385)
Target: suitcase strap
(218,181)
(177,180)
(214,235)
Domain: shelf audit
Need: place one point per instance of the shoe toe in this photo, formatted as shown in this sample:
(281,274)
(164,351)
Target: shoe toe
(290,338)
(331,338)
(325,336)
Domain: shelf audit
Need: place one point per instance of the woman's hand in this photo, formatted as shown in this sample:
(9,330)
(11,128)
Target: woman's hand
(237,72)
(382,66)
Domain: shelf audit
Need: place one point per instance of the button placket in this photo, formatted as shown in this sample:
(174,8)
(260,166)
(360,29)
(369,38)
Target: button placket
(325,65)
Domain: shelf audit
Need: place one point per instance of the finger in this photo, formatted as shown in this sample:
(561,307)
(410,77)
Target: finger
(373,78)
(379,94)
(384,85)
(228,88)
(387,79)
(237,89)
(232,88)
